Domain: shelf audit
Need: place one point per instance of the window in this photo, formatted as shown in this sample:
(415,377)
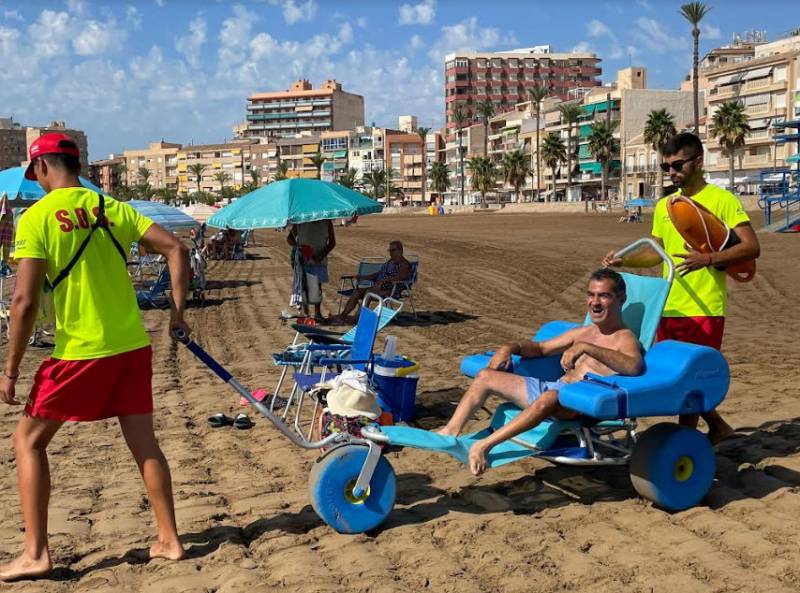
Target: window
(641,161)
(779,74)
(780,101)
(461,63)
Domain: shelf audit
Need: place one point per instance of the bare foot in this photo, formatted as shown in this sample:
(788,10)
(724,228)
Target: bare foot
(170,550)
(717,436)
(446,432)
(26,567)
(477,459)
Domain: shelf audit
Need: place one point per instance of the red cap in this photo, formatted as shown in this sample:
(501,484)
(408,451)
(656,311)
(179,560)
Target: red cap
(53,143)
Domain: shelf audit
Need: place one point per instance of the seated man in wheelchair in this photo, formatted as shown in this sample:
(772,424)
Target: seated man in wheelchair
(605,347)
(396,269)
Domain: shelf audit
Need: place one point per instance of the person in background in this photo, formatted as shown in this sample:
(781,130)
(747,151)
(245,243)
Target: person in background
(321,240)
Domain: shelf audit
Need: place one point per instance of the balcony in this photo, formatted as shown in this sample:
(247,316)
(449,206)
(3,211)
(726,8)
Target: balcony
(756,160)
(758,109)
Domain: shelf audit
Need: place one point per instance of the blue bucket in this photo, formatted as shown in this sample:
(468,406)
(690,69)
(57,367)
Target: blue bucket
(396,384)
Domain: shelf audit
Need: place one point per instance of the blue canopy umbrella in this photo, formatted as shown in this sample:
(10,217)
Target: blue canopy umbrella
(639,202)
(170,218)
(293,201)
(14,184)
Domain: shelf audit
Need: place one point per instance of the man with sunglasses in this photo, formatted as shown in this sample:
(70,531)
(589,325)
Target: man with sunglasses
(696,306)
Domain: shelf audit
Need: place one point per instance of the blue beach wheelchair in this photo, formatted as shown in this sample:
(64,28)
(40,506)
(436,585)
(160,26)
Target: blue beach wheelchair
(353,486)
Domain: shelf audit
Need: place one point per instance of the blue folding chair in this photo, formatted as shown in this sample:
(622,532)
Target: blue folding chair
(155,294)
(401,289)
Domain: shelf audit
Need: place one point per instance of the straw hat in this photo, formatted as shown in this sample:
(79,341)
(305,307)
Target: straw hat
(350,396)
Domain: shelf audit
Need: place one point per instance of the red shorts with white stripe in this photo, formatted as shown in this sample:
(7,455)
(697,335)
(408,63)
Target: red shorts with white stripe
(85,390)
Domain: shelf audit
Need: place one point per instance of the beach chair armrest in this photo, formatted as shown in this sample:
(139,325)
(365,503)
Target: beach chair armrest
(327,347)
(343,361)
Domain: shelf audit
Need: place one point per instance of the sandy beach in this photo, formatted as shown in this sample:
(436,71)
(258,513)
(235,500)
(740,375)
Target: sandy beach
(242,495)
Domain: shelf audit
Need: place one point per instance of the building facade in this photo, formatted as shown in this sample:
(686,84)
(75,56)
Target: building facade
(108,174)
(160,159)
(404,159)
(13,143)
(334,146)
(264,159)
(223,165)
(505,77)
(34,132)
(297,153)
(303,109)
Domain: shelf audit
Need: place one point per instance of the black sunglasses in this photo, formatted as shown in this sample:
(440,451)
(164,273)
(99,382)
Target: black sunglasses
(677,165)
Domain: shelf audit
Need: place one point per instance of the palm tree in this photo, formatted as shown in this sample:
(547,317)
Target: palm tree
(118,171)
(282,171)
(459,119)
(553,153)
(603,147)
(197,169)
(659,127)
(143,175)
(694,13)
(729,124)
(485,110)
(376,180)
(515,169)
(570,112)
(484,174)
(255,177)
(423,135)
(348,178)
(440,177)
(317,160)
(537,95)
(222,178)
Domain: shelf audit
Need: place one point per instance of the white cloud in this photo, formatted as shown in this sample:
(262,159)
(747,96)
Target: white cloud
(468,35)
(294,12)
(361,22)
(77,7)
(161,3)
(418,14)
(94,39)
(645,4)
(710,31)
(650,33)
(598,28)
(583,47)
(189,45)
(12,15)
(133,17)
(416,42)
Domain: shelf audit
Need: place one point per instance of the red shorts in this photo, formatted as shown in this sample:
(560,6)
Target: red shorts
(75,390)
(704,331)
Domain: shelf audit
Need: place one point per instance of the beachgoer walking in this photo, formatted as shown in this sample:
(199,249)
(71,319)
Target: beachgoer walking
(321,240)
(71,242)
(697,303)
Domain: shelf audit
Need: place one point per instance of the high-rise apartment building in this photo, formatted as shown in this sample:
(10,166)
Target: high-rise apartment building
(219,165)
(13,144)
(303,109)
(505,77)
(159,160)
(108,174)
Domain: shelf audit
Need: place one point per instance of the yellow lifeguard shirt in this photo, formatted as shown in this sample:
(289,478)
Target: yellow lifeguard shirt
(702,293)
(97,315)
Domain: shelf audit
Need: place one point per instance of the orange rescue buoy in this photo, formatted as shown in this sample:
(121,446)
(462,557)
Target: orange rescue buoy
(705,232)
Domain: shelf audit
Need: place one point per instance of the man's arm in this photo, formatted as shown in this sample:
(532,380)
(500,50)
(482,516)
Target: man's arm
(530,349)
(159,240)
(402,274)
(627,360)
(749,248)
(24,310)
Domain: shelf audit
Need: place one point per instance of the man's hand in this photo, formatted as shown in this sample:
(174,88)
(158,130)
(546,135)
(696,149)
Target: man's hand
(611,260)
(570,355)
(694,260)
(178,325)
(501,359)
(8,390)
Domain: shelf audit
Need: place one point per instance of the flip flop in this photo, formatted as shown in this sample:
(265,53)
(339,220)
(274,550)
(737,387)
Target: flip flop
(219,420)
(242,422)
(259,394)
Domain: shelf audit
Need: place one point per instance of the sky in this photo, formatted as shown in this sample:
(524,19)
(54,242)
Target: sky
(133,72)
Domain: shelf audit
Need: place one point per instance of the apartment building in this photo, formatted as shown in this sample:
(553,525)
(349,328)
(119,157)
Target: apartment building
(471,143)
(505,77)
(13,143)
(403,153)
(297,153)
(33,132)
(367,150)
(224,165)
(768,85)
(108,174)
(334,147)
(160,159)
(303,108)
(264,158)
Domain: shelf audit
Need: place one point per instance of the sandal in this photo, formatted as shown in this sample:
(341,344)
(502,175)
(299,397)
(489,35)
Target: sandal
(219,420)
(243,422)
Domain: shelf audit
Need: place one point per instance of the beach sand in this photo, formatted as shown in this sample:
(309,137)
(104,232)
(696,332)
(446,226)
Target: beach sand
(242,496)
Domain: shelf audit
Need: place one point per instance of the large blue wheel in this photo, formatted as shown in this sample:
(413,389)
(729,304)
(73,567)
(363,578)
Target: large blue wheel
(673,465)
(331,488)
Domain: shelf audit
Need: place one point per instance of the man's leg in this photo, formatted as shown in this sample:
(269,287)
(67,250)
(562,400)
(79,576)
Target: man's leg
(33,476)
(141,440)
(508,386)
(352,302)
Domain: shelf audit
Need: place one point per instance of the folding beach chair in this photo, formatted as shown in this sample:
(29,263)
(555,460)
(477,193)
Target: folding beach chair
(155,294)
(401,290)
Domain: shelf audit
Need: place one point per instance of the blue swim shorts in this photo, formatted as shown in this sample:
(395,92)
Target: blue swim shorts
(536,387)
